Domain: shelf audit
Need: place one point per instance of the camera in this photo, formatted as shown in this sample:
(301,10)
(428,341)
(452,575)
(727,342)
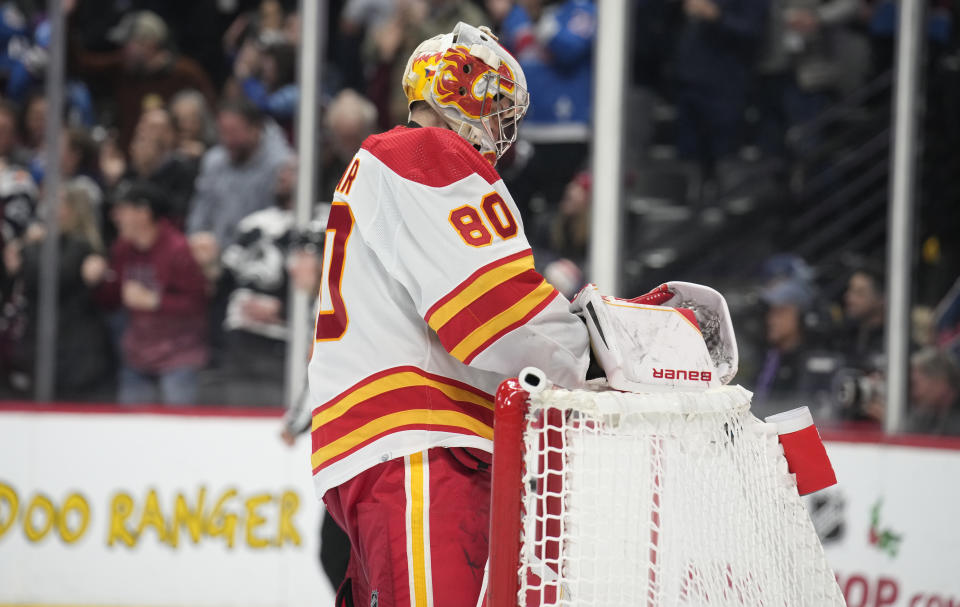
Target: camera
(853,389)
(311,237)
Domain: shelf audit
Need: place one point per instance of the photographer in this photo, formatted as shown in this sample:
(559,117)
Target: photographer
(859,386)
(789,374)
(864,305)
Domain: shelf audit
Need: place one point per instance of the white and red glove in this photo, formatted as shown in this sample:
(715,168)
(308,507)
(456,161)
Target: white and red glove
(678,336)
(713,318)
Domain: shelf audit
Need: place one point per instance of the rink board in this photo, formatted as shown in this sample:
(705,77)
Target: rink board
(151,509)
(889,526)
(210,508)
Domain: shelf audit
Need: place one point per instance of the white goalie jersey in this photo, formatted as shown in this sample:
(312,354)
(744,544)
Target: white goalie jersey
(429,299)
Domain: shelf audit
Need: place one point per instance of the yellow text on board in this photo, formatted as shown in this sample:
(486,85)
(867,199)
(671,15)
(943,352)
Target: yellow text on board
(258,521)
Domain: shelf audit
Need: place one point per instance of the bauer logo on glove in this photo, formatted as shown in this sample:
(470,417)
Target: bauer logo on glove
(678,336)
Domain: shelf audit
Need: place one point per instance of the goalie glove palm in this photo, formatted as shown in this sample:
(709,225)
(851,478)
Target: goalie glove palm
(713,318)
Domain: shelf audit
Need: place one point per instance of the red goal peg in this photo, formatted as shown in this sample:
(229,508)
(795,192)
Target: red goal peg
(802,447)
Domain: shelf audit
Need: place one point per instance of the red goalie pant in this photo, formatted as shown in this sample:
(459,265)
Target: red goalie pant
(418,528)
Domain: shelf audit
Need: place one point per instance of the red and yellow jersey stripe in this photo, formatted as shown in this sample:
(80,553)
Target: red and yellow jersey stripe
(494,300)
(395,400)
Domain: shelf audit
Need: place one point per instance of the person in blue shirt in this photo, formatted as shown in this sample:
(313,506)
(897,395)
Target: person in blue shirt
(713,63)
(554,45)
(273,87)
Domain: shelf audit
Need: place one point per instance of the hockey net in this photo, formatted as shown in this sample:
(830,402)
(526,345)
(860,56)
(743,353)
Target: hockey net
(658,499)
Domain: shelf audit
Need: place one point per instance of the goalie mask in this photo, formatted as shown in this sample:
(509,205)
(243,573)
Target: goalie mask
(473,83)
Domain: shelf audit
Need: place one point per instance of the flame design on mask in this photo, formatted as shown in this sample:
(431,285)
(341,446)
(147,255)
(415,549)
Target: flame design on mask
(421,75)
(460,81)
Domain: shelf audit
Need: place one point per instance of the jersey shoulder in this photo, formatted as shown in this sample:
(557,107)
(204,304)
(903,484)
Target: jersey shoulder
(429,156)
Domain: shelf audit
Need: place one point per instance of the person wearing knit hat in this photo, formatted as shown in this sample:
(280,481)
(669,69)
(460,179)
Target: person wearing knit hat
(145,68)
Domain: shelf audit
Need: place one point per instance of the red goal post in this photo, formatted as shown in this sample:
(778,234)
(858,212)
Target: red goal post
(506,493)
(660,499)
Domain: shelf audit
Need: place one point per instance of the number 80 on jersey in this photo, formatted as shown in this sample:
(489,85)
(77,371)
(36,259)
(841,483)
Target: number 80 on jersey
(466,220)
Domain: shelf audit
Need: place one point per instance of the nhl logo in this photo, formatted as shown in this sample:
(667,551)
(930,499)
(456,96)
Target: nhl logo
(827,514)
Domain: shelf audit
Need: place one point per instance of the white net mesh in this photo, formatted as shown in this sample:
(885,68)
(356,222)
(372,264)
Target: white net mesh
(662,499)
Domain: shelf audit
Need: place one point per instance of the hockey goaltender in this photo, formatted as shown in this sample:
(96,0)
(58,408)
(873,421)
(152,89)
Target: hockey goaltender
(429,300)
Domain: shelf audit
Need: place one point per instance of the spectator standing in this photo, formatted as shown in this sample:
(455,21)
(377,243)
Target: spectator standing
(246,39)
(34,123)
(18,211)
(554,46)
(11,152)
(158,283)
(413,22)
(193,122)
(946,320)
(79,157)
(84,354)
(80,166)
(713,63)
(809,55)
(349,120)
(270,82)
(113,166)
(15,42)
(570,233)
(264,25)
(25,41)
(143,68)
(560,241)
(256,322)
(18,203)
(864,309)
(154,158)
(366,15)
(359,19)
(237,177)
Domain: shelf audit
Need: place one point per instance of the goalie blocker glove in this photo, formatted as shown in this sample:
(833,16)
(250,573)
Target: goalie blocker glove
(678,336)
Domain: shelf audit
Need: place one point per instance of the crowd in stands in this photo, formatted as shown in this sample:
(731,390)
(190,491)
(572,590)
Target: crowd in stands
(831,357)
(178,243)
